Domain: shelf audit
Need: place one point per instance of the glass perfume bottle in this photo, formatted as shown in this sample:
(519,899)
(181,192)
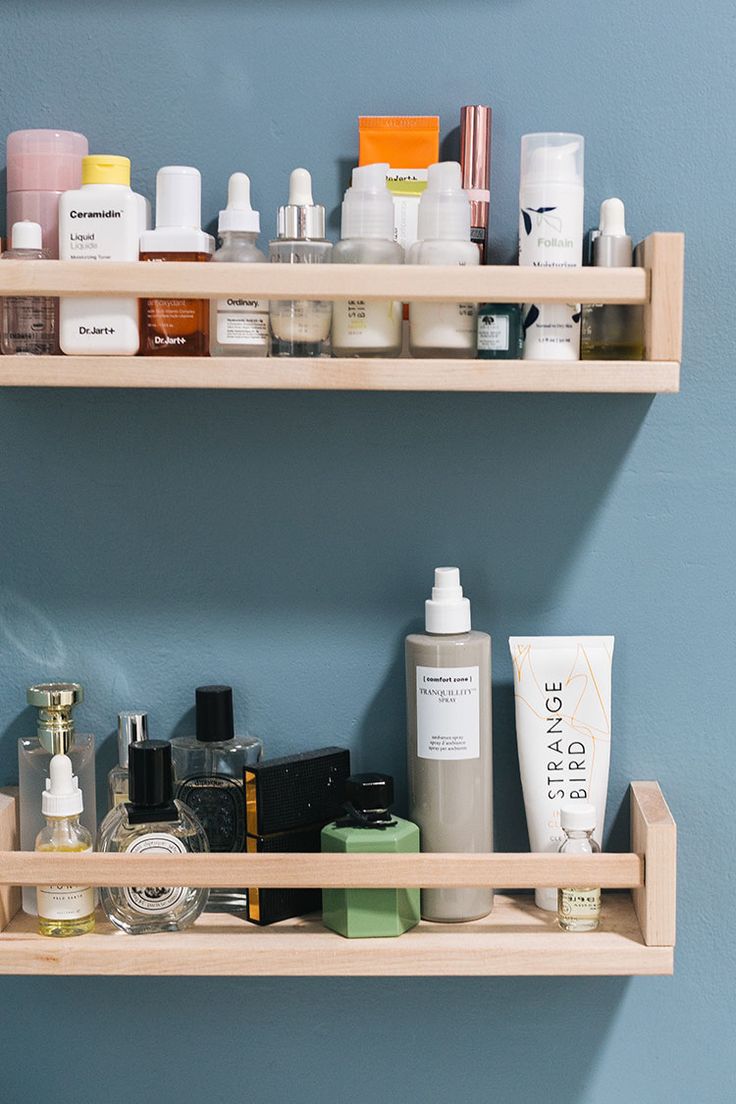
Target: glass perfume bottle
(55,736)
(29,322)
(64,909)
(132,727)
(368,826)
(578,908)
(208,768)
(300,327)
(152,823)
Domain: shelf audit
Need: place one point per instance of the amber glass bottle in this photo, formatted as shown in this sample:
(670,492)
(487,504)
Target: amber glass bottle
(176,327)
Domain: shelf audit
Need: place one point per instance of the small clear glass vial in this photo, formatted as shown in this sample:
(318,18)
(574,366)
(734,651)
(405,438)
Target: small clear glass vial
(64,910)
(578,907)
(132,727)
(29,324)
(152,823)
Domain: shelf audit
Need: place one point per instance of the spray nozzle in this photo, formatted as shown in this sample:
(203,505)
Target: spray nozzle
(447,611)
(613,218)
(444,208)
(62,796)
(368,209)
(300,189)
(239,215)
(370,178)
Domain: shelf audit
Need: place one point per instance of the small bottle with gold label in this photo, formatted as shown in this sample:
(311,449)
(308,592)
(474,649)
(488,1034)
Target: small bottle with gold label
(132,726)
(64,909)
(578,907)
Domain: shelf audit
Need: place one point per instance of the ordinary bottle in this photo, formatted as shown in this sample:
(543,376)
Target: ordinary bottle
(448,697)
(29,322)
(300,327)
(101,221)
(42,164)
(367,327)
(176,327)
(443,329)
(551,236)
(500,332)
(579,908)
(208,768)
(612,331)
(369,826)
(64,909)
(239,323)
(152,823)
(132,727)
(56,735)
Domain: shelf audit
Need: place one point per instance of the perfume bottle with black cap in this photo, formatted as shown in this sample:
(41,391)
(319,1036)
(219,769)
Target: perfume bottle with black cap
(152,822)
(208,769)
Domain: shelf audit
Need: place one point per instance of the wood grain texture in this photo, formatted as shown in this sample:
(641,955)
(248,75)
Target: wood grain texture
(507,871)
(342,374)
(516,938)
(654,837)
(9,841)
(663,257)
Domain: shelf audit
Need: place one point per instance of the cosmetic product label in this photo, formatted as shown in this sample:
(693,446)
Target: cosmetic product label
(359,323)
(493,333)
(155,900)
(219,803)
(242,321)
(448,713)
(580,904)
(65,902)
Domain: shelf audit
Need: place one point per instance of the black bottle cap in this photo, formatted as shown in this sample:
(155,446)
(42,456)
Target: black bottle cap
(370,792)
(214,713)
(150,781)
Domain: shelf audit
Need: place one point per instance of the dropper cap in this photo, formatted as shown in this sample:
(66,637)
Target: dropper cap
(55,723)
(368,209)
(178,197)
(25,235)
(612,246)
(447,611)
(444,207)
(301,218)
(62,796)
(239,215)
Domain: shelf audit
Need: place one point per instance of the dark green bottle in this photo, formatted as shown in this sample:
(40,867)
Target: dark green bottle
(500,331)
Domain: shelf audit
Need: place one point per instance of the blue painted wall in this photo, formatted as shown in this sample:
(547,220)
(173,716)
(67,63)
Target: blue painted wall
(285,543)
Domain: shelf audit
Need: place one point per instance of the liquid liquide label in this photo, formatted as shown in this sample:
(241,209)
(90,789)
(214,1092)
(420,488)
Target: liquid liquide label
(448,713)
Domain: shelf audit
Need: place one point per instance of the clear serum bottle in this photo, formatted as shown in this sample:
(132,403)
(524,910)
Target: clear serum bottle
(366,327)
(64,909)
(239,323)
(29,324)
(132,727)
(578,908)
(152,822)
(300,327)
(612,331)
(208,769)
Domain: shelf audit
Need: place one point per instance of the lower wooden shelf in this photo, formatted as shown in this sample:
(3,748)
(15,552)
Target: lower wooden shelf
(517,938)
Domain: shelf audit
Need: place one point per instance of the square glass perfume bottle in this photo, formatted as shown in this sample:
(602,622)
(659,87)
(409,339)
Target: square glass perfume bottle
(132,727)
(208,768)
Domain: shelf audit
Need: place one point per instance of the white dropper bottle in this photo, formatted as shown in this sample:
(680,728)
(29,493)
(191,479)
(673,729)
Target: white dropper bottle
(612,331)
(239,323)
(63,909)
(443,329)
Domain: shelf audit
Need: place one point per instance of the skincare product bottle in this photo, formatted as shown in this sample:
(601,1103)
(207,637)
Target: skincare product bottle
(475,159)
(443,329)
(448,698)
(408,144)
(578,909)
(64,909)
(208,772)
(238,324)
(367,327)
(42,164)
(500,332)
(152,823)
(562,691)
(300,327)
(612,331)
(132,727)
(551,235)
(55,735)
(29,322)
(101,221)
(368,826)
(176,327)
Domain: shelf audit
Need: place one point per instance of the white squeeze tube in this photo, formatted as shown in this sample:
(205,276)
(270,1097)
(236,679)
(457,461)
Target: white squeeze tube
(562,689)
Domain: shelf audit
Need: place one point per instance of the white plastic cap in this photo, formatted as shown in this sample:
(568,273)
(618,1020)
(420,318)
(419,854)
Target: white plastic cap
(178,197)
(552,159)
(239,215)
(447,611)
(25,235)
(613,218)
(444,207)
(368,209)
(577,816)
(62,796)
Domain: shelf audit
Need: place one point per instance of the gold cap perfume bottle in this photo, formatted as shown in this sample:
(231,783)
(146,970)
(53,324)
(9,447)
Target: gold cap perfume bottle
(55,723)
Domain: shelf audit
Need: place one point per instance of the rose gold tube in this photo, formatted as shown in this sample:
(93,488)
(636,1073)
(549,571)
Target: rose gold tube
(475,160)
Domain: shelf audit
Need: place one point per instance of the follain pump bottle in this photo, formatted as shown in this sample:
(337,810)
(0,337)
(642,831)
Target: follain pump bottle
(448,698)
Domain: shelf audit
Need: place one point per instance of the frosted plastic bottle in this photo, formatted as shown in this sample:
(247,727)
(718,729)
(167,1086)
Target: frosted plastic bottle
(448,699)
(551,236)
(42,165)
(239,323)
(362,327)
